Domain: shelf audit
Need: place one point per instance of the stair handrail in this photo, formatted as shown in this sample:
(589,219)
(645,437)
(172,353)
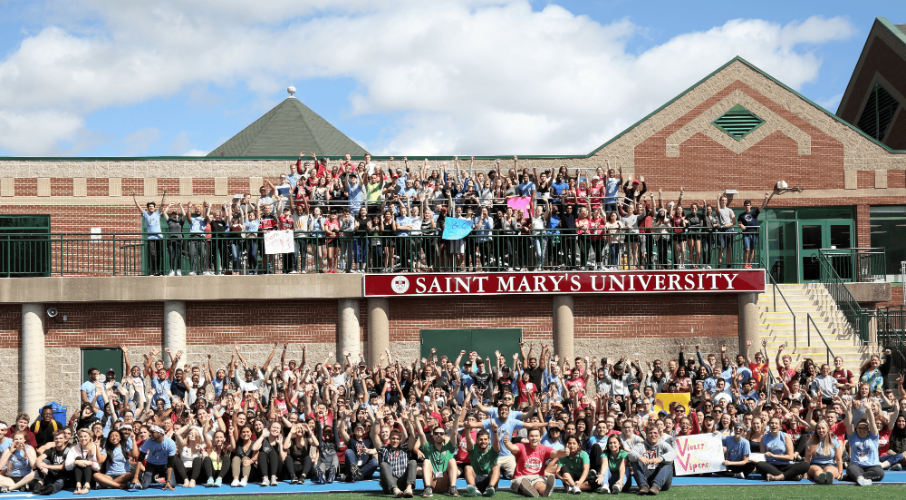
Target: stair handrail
(776,290)
(838,291)
(809,322)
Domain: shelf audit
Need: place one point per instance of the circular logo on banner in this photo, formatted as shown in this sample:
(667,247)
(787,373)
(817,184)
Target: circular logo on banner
(400,284)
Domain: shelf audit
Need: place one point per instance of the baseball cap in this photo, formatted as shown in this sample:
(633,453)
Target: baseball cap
(111,370)
(635,181)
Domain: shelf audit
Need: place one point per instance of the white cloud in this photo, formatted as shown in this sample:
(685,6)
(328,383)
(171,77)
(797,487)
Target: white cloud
(138,142)
(467,76)
(195,152)
(830,103)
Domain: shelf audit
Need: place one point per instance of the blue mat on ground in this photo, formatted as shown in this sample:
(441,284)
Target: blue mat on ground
(897,478)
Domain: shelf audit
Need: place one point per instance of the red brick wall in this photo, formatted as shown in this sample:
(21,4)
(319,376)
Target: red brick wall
(865,179)
(896,297)
(107,325)
(896,179)
(98,187)
(704,164)
(261,322)
(170,184)
(531,313)
(863,226)
(10,323)
(61,187)
(236,185)
(134,184)
(26,187)
(203,187)
(638,316)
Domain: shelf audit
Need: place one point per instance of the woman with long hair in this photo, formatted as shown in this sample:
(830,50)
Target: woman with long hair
(874,373)
(243,456)
(297,446)
(779,453)
(825,455)
(20,460)
(572,469)
(116,455)
(83,461)
(192,463)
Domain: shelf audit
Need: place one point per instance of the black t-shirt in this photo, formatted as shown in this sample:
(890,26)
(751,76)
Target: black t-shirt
(535,375)
(750,220)
(57,457)
(482,380)
(218,226)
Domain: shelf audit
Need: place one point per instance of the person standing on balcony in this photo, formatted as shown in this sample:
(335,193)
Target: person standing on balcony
(151,215)
(727,219)
(174,238)
(198,248)
(748,223)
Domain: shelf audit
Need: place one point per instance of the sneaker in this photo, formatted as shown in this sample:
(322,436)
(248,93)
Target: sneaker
(616,488)
(549,483)
(209,482)
(191,273)
(527,486)
(244,482)
(274,481)
(489,492)
(896,467)
(408,492)
(135,486)
(739,475)
(235,483)
(653,491)
(265,482)
(355,472)
(604,488)
(829,478)
(320,475)
(575,490)
(179,272)
(218,482)
(643,490)
(453,491)
(427,493)
(861,481)
(192,483)
(397,493)
(471,491)
(171,273)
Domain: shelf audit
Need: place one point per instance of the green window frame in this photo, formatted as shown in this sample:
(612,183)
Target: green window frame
(738,122)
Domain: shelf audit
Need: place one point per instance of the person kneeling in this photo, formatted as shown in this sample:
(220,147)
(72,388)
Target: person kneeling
(531,458)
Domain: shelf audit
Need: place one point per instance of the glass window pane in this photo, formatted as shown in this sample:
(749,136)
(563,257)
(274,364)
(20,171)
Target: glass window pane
(888,234)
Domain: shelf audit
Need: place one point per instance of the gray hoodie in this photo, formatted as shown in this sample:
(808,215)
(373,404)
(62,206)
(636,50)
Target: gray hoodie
(659,450)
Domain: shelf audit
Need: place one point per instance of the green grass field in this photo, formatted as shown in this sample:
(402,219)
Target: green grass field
(842,491)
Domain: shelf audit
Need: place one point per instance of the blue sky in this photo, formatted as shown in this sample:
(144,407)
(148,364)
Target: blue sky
(106,78)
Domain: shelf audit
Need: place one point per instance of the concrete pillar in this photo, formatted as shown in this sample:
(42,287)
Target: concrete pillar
(31,359)
(348,330)
(748,324)
(564,327)
(174,328)
(378,329)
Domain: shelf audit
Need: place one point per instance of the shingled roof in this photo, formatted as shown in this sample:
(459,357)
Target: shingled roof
(287,129)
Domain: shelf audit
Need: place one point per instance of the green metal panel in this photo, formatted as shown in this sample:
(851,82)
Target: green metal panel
(878,112)
(484,341)
(24,251)
(447,342)
(738,122)
(102,358)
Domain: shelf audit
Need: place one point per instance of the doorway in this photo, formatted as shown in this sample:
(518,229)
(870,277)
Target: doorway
(795,237)
(825,234)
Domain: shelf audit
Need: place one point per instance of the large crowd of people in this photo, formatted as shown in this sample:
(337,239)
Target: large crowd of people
(587,424)
(350,217)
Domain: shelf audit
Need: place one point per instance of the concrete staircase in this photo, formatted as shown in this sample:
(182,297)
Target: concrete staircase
(804,299)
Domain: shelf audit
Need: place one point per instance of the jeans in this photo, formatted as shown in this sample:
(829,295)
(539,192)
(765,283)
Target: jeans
(155,255)
(300,468)
(367,469)
(610,479)
(661,476)
(199,254)
(175,249)
(220,252)
(613,254)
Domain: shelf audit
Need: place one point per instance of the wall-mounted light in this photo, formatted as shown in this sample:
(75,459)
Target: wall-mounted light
(783,187)
(55,315)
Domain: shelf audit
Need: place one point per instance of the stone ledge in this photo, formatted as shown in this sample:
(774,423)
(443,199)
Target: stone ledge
(870,292)
(190,288)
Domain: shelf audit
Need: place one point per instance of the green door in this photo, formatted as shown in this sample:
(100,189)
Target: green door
(103,359)
(782,250)
(451,342)
(828,234)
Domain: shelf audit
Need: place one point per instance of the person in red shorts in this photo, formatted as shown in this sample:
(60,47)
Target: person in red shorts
(531,459)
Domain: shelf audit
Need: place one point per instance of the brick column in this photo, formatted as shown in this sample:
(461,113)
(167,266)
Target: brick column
(564,327)
(174,328)
(748,324)
(348,331)
(378,329)
(31,359)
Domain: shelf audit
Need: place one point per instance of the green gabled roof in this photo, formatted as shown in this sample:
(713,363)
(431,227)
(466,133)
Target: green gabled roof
(285,130)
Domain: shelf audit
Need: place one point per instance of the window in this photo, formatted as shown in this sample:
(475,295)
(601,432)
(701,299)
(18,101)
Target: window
(878,112)
(888,225)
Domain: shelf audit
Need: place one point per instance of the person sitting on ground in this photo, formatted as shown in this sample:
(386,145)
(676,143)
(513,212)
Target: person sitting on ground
(653,463)
(482,472)
(531,458)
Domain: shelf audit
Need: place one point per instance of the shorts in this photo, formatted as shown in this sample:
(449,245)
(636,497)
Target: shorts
(333,243)
(680,237)
(725,237)
(507,465)
(749,241)
(514,484)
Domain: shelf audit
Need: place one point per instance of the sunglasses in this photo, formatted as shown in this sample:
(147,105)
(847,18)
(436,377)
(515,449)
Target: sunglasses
(439,433)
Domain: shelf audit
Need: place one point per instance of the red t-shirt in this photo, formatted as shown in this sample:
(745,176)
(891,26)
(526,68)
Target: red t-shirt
(839,432)
(883,441)
(758,370)
(462,451)
(530,462)
(842,376)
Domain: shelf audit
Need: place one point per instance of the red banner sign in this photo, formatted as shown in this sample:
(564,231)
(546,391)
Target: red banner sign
(686,281)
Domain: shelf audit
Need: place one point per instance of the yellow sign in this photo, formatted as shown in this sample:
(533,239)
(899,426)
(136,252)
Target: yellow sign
(662,401)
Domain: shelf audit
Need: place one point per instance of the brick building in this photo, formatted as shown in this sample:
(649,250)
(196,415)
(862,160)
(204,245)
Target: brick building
(737,129)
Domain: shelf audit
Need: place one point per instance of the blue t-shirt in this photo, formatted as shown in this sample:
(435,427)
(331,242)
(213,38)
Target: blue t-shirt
(825,458)
(557,188)
(89,389)
(504,428)
(750,220)
(525,189)
(356,196)
(117,464)
(736,451)
(18,463)
(152,225)
(554,445)
(611,187)
(404,221)
(218,386)
(160,391)
(863,452)
(198,223)
(777,446)
(157,453)
(5,444)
